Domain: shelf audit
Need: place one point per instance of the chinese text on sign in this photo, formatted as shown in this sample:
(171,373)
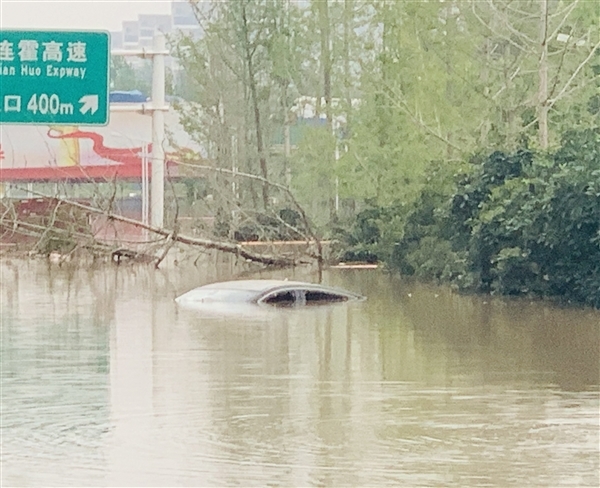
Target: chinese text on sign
(54,77)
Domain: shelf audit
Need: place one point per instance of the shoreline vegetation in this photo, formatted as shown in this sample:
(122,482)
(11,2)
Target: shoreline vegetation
(522,223)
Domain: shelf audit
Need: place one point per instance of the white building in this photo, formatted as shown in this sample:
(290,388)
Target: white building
(139,33)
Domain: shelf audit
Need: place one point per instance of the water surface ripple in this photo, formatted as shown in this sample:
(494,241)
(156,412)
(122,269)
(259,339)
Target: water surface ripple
(106,382)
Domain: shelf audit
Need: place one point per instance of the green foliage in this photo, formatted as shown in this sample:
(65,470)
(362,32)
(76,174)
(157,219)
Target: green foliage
(364,241)
(123,76)
(314,166)
(195,188)
(521,223)
(516,224)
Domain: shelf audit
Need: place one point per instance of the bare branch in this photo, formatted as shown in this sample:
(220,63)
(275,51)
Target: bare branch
(505,21)
(48,227)
(505,86)
(402,105)
(283,188)
(487,26)
(575,88)
(570,9)
(574,75)
(559,69)
(193,241)
(524,15)
(36,229)
(170,242)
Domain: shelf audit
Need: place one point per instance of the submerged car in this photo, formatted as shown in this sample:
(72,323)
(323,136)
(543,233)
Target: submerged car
(265,292)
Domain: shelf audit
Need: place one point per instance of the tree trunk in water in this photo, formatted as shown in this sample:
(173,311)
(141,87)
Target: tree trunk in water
(325,56)
(543,77)
(348,11)
(323,6)
(287,142)
(257,123)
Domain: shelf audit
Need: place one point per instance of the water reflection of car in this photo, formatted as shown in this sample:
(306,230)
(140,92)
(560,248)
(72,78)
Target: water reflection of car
(278,293)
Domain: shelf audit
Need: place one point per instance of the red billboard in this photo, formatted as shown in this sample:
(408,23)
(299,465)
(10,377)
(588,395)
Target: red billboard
(53,153)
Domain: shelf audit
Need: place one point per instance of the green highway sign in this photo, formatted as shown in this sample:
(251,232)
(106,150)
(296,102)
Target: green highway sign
(54,77)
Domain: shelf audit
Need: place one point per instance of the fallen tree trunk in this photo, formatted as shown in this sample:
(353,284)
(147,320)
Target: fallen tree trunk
(173,236)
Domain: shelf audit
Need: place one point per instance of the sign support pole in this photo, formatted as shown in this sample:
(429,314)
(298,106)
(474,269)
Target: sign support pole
(145,183)
(158,107)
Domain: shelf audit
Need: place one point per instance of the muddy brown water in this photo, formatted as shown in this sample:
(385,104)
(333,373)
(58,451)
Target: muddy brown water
(107,382)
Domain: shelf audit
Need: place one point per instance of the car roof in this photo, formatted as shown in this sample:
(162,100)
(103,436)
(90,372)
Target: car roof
(257,291)
(263,287)
(259,286)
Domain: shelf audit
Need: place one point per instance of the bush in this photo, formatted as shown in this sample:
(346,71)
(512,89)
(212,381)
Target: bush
(371,236)
(511,223)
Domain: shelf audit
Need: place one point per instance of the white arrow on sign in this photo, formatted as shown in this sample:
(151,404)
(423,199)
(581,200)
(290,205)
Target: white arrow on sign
(90,104)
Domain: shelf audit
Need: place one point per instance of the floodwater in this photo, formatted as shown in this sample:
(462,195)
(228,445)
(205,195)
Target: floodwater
(105,381)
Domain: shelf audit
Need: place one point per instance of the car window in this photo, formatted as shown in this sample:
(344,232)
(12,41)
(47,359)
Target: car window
(302,297)
(314,296)
(281,299)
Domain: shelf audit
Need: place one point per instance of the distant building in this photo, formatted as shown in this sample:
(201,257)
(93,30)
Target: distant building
(184,19)
(131,34)
(139,33)
(116,40)
(149,24)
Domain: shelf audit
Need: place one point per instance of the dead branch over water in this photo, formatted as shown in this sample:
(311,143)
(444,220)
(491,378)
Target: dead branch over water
(13,224)
(311,235)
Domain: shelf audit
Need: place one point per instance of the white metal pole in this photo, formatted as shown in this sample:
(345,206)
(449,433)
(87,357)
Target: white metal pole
(334,127)
(144,182)
(337,179)
(145,192)
(158,132)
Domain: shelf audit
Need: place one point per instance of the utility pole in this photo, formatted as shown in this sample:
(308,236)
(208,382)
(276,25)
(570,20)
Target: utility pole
(157,107)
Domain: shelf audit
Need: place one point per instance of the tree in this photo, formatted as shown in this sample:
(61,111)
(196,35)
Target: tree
(123,76)
(411,83)
(545,47)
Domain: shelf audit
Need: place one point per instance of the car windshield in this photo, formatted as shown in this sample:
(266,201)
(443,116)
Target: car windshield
(285,298)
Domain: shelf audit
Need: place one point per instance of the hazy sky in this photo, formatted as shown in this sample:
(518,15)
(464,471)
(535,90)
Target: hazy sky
(76,14)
